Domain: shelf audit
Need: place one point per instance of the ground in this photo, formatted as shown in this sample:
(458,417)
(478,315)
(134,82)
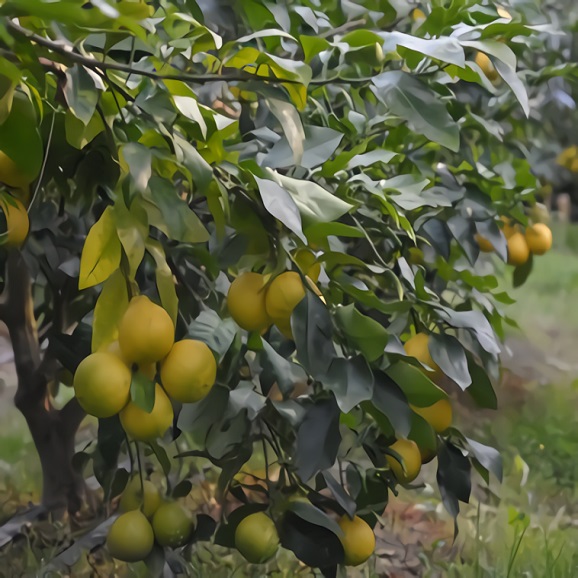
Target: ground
(528,526)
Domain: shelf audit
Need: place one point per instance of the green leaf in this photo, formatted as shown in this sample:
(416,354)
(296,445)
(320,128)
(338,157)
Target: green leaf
(132,228)
(369,336)
(417,387)
(319,145)
(79,134)
(200,170)
(370,158)
(515,83)
(311,325)
(416,103)
(423,434)
(319,231)
(315,204)
(290,122)
(110,307)
(142,391)
(164,279)
(101,252)
(19,136)
(217,333)
(390,400)
(313,515)
(449,354)
(351,381)
(138,160)
(186,103)
(178,222)
(285,372)
(82,91)
(182,489)
(487,456)
(443,48)
(281,205)
(321,423)
(453,477)
(476,322)
(312,46)
(481,389)
(522,272)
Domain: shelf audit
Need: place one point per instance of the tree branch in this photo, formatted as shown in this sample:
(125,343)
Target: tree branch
(343,28)
(92,63)
(102,66)
(72,415)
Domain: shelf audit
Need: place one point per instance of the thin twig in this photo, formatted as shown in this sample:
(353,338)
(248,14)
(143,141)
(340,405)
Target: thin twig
(44,161)
(95,64)
(343,28)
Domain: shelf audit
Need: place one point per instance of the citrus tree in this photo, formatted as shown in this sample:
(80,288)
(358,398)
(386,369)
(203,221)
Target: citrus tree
(255,231)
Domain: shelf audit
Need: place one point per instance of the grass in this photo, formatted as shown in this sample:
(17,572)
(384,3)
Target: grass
(528,525)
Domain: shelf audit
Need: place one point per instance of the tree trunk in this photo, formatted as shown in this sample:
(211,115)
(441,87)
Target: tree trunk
(63,488)
(53,431)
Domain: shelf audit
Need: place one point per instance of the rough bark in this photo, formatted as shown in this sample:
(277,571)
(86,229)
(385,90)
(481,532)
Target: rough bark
(53,431)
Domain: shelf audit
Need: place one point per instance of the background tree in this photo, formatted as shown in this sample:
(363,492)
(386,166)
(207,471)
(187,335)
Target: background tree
(168,148)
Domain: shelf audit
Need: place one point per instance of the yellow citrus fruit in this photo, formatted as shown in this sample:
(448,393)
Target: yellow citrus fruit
(358,540)
(411,456)
(284,294)
(484,244)
(146,332)
(11,174)
(172,525)
(539,238)
(518,250)
(418,15)
(134,498)
(438,415)
(308,263)
(130,537)
(102,384)
(143,426)
(17,222)
(417,347)
(509,227)
(246,302)
(484,62)
(256,538)
(189,371)
(114,348)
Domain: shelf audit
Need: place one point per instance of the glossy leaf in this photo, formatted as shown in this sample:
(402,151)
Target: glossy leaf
(110,307)
(101,251)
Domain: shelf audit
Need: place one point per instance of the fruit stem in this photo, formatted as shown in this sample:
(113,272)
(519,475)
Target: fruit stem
(265,456)
(129,452)
(140,473)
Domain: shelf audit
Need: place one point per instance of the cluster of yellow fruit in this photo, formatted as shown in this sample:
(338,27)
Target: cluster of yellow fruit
(102,381)
(15,213)
(257,539)
(255,303)
(437,415)
(146,518)
(536,240)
